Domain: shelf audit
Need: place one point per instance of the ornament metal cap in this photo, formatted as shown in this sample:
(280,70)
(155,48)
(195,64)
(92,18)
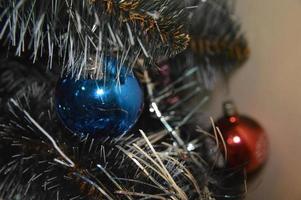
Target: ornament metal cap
(229,108)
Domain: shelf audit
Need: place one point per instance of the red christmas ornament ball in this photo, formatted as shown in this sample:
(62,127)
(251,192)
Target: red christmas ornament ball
(246,141)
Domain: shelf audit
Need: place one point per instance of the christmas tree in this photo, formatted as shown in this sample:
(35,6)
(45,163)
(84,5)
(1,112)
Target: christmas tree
(100,99)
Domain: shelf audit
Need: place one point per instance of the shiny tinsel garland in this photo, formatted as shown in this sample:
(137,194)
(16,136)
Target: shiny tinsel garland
(218,44)
(168,160)
(43,160)
(78,35)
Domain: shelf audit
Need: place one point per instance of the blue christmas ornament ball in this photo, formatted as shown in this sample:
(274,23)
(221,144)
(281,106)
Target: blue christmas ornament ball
(106,107)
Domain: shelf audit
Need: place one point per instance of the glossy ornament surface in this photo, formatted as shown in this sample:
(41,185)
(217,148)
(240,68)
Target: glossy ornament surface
(246,140)
(106,107)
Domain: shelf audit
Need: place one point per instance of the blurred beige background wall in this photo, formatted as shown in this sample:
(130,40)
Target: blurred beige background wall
(268,88)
